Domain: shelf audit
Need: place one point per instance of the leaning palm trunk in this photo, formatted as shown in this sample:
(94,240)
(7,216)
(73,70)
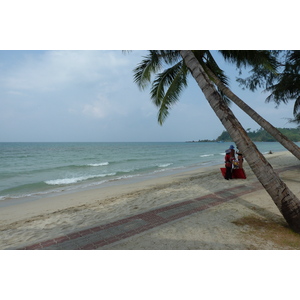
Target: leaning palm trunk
(281,138)
(287,203)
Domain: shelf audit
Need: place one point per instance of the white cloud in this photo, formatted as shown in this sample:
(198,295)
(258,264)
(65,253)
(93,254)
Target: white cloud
(104,107)
(14,93)
(90,95)
(52,70)
(96,110)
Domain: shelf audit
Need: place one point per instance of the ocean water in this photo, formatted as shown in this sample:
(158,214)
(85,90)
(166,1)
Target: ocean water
(34,170)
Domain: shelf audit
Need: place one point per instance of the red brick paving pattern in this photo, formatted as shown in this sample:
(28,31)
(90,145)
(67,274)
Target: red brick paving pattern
(99,236)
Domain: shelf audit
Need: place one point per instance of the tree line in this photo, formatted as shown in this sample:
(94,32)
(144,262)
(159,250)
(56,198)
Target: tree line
(261,135)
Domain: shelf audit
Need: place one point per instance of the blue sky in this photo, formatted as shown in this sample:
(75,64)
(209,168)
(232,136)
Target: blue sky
(82,93)
(90,96)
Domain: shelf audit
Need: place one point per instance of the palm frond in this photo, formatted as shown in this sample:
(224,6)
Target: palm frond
(293,56)
(214,73)
(286,89)
(296,110)
(148,66)
(287,85)
(253,58)
(213,66)
(173,79)
(296,120)
(170,56)
(152,64)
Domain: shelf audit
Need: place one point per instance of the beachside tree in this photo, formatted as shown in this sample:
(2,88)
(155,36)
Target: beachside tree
(287,203)
(175,79)
(283,87)
(281,138)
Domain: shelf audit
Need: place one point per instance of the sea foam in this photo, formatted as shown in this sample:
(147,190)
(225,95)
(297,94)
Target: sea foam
(65,181)
(164,165)
(98,165)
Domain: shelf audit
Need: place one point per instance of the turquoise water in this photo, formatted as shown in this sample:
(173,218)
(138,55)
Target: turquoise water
(35,170)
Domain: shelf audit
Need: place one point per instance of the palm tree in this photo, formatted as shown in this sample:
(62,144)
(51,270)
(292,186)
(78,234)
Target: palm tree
(175,79)
(285,86)
(286,201)
(288,84)
(281,138)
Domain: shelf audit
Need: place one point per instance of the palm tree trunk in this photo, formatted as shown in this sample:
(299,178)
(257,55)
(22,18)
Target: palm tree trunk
(281,138)
(287,203)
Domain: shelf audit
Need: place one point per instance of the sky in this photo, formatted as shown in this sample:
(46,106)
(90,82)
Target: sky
(64,78)
(90,96)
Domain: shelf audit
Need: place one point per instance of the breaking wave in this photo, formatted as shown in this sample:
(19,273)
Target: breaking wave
(65,181)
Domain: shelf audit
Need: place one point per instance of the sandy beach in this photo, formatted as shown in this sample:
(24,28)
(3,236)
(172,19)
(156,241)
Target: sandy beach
(251,221)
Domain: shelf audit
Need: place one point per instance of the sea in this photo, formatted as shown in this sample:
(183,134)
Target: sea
(30,171)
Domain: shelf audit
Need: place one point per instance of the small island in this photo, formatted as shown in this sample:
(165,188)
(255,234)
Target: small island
(201,141)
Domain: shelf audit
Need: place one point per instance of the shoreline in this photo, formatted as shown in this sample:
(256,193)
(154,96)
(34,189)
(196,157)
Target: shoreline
(54,216)
(73,198)
(115,182)
(84,179)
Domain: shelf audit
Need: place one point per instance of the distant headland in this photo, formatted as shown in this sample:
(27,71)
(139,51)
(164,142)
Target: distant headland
(259,135)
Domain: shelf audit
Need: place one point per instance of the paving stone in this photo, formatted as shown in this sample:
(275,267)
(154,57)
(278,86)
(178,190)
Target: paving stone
(184,208)
(97,237)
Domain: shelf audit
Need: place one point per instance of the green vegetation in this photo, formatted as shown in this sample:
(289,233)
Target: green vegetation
(261,135)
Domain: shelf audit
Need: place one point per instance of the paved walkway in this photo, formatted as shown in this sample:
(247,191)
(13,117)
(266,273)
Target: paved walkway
(102,235)
(99,236)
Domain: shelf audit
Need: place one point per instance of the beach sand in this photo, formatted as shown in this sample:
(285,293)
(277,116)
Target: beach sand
(250,221)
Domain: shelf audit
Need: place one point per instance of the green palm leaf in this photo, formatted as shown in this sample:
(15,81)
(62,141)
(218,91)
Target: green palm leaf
(148,66)
(253,58)
(152,63)
(213,66)
(167,87)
